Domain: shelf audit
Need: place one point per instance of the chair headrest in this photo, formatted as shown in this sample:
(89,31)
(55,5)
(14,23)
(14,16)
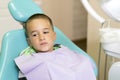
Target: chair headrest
(21,10)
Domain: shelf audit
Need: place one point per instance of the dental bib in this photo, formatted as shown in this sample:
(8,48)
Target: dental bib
(61,64)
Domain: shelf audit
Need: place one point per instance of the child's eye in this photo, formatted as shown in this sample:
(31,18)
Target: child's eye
(46,32)
(34,34)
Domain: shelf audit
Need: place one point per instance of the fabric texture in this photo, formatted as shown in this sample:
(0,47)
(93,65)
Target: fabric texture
(110,40)
(60,64)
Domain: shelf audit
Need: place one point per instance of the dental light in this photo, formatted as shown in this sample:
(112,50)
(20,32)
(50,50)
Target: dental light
(112,9)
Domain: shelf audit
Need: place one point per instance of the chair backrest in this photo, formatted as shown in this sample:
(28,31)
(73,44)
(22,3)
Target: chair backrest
(21,10)
(15,41)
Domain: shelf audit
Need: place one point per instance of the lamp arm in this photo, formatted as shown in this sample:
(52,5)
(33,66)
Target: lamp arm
(92,11)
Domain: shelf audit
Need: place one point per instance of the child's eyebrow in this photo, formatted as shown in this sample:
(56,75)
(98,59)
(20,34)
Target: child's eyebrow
(46,28)
(33,31)
(37,30)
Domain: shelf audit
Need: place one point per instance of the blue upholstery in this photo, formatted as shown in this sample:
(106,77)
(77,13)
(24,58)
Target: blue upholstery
(21,10)
(15,41)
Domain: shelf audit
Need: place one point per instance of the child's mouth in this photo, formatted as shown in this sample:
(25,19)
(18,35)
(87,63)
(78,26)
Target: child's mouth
(43,43)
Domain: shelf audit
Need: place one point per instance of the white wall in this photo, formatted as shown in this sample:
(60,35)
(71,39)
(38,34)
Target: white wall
(7,23)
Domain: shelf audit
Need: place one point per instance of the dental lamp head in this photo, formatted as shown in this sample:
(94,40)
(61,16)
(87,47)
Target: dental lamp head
(110,7)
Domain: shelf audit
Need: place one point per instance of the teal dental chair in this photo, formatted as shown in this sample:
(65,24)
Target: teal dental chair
(15,41)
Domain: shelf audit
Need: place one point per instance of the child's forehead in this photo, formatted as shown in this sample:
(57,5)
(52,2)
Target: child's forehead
(39,23)
(39,27)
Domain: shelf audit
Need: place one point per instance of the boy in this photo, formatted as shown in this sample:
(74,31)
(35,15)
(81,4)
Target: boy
(45,61)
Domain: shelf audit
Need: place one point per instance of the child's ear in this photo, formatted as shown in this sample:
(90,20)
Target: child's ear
(28,41)
(54,35)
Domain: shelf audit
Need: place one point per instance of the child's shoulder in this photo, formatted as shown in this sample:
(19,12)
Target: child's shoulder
(27,51)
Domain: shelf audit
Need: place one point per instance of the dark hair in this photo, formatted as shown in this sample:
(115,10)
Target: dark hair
(37,16)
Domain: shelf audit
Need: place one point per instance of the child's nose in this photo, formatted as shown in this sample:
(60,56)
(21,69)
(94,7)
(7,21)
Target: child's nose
(41,37)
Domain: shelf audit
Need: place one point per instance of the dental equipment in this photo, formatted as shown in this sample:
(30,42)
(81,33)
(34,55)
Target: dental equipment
(112,9)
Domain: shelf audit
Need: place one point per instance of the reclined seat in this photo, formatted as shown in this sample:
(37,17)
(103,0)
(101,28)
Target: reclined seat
(14,41)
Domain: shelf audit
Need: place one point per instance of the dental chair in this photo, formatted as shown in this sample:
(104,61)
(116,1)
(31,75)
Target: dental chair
(14,41)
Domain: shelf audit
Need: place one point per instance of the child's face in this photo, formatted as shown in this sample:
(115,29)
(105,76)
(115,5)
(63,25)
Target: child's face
(41,36)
